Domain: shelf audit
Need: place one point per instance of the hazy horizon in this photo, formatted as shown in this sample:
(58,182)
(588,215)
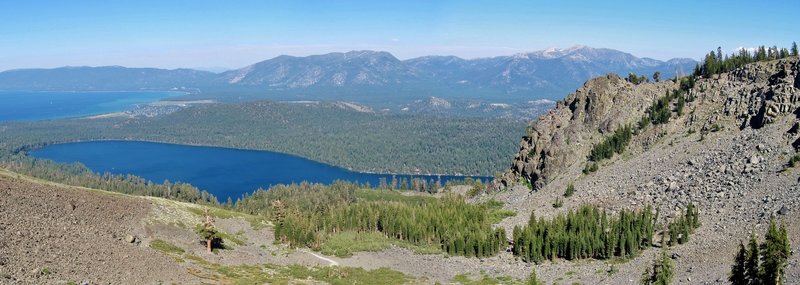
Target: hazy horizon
(217,35)
(224,68)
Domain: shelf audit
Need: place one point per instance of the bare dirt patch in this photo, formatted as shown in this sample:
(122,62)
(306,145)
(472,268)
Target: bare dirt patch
(57,235)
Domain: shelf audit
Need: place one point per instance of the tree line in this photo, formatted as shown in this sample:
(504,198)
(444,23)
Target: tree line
(77,174)
(716,62)
(606,149)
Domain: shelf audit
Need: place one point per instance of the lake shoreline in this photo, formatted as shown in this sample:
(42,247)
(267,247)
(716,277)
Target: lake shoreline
(224,172)
(28,149)
(32,106)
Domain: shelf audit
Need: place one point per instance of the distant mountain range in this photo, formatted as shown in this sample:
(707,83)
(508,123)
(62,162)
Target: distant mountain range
(550,73)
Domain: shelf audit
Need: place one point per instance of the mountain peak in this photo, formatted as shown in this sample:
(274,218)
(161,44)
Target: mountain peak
(577,48)
(554,52)
(369,54)
(548,73)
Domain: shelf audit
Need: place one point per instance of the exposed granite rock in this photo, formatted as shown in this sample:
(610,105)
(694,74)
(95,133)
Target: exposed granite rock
(754,95)
(564,136)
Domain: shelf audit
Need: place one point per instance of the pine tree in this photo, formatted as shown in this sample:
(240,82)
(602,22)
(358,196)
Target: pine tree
(738,274)
(673,234)
(532,279)
(775,254)
(764,263)
(794,49)
(752,264)
(661,272)
(207,230)
(684,225)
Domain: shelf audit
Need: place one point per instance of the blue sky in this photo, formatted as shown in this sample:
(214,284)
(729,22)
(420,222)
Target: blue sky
(233,34)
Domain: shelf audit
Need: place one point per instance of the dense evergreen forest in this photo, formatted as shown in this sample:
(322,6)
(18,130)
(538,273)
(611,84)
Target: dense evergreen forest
(326,132)
(585,233)
(307,214)
(590,232)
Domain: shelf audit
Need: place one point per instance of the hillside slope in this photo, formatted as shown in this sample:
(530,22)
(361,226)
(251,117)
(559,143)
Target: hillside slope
(748,98)
(60,234)
(728,152)
(55,235)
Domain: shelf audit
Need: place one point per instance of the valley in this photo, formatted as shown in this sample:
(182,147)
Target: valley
(399,142)
(726,151)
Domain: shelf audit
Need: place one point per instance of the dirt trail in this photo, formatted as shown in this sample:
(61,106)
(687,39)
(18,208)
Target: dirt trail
(330,261)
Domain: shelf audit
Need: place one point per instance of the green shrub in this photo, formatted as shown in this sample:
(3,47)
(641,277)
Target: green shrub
(165,247)
(558,203)
(794,160)
(590,167)
(570,191)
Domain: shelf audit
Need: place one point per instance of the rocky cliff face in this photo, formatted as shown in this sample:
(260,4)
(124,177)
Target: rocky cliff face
(564,136)
(559,141)
(757,94)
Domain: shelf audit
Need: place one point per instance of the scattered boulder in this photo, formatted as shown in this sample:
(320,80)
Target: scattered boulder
(673,186)
(130,239)
(783,210)
(755,159)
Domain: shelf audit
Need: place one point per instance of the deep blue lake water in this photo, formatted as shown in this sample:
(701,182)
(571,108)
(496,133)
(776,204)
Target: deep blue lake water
(222,171)
(30,105)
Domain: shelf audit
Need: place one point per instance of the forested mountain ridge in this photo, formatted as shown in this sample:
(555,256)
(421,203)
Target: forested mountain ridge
(542,74)
(332,69)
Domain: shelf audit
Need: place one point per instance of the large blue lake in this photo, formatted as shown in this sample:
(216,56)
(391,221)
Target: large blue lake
(222,171)
(35,105)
